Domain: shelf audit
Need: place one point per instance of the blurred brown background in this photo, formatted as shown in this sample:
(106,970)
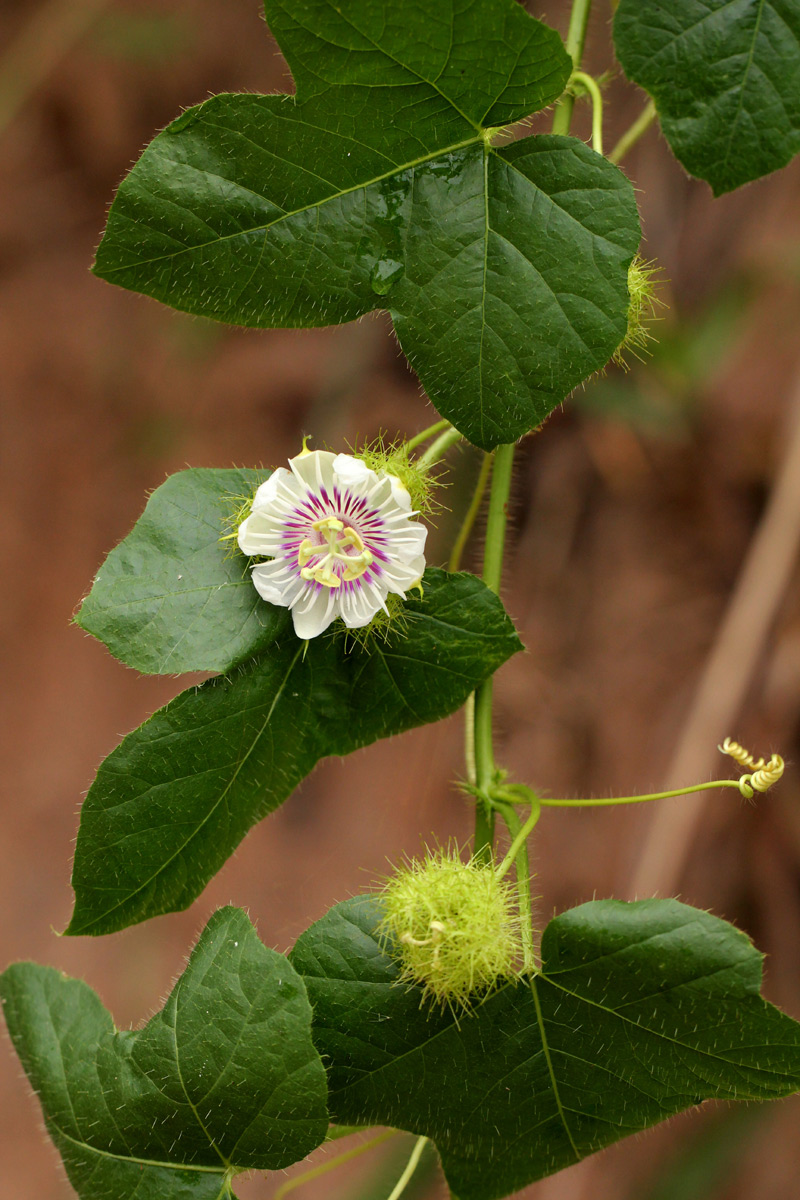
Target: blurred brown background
(658,509)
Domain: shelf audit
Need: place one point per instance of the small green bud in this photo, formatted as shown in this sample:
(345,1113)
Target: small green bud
(394,459)
(642,280)
(452,926)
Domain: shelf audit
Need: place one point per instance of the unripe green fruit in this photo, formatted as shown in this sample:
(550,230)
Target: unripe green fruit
(452,925)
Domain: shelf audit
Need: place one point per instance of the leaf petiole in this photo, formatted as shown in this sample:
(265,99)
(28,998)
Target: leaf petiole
(331,1164)
(632,134)
(411,1166)
(425,434)
(591,86)
(439,448)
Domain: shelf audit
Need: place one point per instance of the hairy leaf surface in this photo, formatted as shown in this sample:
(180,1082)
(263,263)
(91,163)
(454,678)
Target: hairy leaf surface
(225,1077)
(169,598)
(642,1010)
(725,75)
(377,186)
(173,801)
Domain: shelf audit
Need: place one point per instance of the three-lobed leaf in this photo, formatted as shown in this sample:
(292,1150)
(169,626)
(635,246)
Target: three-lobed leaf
(224,1078)
(725,76)
(168,598)
(504,267)
(641,1010)
(173,801)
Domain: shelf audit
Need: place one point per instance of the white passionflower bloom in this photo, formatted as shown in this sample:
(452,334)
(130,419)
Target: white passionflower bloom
(340,538)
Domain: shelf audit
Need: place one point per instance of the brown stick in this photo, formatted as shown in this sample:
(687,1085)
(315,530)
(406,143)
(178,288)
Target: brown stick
(734,656)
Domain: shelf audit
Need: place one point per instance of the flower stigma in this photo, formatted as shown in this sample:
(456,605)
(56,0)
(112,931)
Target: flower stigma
(340,538)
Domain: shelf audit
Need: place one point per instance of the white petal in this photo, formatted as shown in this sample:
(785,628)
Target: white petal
(402,576)
(351,472)
(409,542)
(400,494)
(315,470)
(261,533)
(268,582)
(314,612)
(267,493)
(357,606)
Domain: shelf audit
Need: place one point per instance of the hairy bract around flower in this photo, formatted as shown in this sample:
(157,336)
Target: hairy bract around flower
(340,537)
(452,927)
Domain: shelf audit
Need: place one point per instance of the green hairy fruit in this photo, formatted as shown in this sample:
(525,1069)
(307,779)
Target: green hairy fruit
(453,927)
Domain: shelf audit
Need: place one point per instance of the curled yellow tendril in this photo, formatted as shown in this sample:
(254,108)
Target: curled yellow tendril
(763,773)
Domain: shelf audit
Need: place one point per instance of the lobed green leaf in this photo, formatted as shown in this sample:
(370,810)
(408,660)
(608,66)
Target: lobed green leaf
(641,1010)
(224,1078)
(173,801)
(378,186)
(725,75)
(168,598)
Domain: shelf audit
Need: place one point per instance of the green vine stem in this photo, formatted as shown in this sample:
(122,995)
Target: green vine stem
(439,448)
(519,794)
(332,1164)
(425,434)
(632,135)
(518,855)
(591,86)
(492,571)
(411,1166)
(576,36)
(471,514)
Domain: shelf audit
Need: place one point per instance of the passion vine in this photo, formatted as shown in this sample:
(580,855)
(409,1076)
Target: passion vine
(400,176)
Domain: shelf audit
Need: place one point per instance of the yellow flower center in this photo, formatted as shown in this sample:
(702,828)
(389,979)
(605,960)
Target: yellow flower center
(347,548)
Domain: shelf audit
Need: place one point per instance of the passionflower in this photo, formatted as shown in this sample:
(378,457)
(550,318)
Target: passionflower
(340,537)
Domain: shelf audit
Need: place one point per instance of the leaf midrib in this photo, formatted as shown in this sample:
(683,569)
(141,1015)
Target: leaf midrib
(240,233)
(540,1022)
(432,83)
(130,1158)
(734,123)
(187,841)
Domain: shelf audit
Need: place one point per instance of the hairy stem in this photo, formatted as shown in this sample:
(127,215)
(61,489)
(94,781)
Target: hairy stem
(520,837)
(471,514)
(518,854)
(439,448)
(522,796)
(632,135)
(576,36)
(492,572)
(425,434)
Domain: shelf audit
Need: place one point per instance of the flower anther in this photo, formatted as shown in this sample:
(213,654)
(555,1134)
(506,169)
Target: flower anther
(340,538)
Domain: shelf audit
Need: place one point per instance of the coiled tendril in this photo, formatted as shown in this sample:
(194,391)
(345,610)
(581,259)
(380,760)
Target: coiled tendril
(763,773)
